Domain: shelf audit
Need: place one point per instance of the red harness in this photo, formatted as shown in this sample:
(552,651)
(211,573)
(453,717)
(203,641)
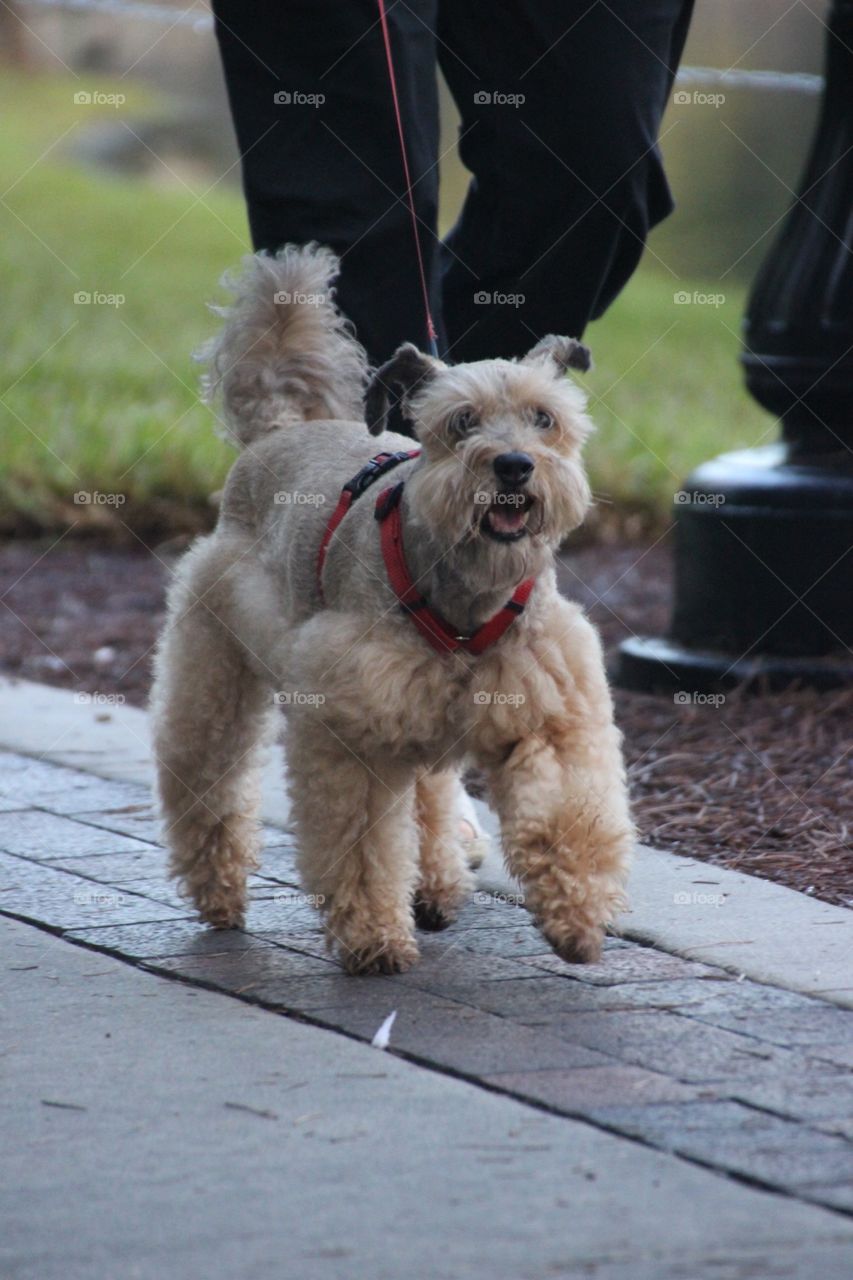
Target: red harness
(435,629)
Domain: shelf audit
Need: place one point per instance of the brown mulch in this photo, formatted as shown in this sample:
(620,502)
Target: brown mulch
(760,783)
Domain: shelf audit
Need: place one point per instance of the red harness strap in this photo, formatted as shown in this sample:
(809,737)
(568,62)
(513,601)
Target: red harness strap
(435,629)
(353,489)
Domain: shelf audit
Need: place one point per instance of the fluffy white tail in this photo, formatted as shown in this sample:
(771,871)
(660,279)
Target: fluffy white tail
(285,354)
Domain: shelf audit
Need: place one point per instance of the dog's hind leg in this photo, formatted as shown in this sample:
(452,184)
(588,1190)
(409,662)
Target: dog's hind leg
(210,715)
(445,881)
(357,842)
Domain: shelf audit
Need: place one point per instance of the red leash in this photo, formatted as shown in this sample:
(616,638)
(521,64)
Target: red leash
(431,333)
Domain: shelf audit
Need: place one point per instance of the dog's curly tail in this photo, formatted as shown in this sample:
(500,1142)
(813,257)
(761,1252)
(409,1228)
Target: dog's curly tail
(285,353)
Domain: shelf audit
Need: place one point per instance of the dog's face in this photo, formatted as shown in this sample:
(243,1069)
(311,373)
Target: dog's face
(501,441)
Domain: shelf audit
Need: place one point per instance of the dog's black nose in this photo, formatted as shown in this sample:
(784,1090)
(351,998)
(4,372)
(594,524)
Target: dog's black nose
(513,468)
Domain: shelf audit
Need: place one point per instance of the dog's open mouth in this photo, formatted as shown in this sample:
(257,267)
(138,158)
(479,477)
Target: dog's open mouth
(507,517)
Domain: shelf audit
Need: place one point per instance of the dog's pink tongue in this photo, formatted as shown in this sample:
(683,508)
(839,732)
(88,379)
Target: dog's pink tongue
(506,520)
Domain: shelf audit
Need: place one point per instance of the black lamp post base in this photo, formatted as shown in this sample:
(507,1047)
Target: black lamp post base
(652,665)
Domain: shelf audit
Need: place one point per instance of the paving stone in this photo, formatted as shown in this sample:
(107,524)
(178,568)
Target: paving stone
(169,937)
(691,1050)
(838,1195)
(631,964)
(44,835)
(285,912)
(255,972)
(451,1035)
(843,1126)
(809,1093)
(115,868)
(141,821)
(730,1136)
(445,969)
(66,901)
(771,1014)
(65,791)
(524,940)
(584,1088)
(484,911)
(842,1054)
(543,998)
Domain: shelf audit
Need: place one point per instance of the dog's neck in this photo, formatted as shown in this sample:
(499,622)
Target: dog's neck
(467,582)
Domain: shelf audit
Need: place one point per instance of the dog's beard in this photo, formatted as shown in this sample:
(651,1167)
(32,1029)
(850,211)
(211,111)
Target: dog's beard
(461,503)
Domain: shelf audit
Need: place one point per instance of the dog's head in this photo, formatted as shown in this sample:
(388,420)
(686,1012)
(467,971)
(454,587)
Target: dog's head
(501,440)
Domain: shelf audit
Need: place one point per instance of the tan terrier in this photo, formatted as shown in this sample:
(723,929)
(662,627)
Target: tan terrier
(409,627)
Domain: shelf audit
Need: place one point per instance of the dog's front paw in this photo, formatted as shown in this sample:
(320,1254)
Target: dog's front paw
(377,955)
(222,907)
(576,944)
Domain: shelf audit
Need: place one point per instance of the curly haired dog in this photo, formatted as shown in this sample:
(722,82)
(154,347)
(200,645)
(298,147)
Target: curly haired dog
(426,634)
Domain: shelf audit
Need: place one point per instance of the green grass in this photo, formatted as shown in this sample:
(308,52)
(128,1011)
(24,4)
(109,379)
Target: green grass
(96,397)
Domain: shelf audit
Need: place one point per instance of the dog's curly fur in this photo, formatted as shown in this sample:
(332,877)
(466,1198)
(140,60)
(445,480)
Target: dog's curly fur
(379,725)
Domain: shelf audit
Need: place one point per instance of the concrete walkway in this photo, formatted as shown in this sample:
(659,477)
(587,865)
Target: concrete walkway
(179,1102)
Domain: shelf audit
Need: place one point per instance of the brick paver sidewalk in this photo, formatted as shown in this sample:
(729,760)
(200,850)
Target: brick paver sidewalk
(753,1081)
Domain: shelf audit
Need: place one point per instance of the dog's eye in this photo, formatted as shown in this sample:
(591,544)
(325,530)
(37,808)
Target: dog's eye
(543,419)
(462,421)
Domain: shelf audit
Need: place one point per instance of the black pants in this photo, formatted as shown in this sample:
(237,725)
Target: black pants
(561,101)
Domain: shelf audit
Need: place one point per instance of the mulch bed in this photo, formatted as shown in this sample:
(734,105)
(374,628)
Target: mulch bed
(760,783)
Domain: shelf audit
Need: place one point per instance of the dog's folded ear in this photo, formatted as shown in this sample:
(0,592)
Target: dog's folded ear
(396,380)
(564,353)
